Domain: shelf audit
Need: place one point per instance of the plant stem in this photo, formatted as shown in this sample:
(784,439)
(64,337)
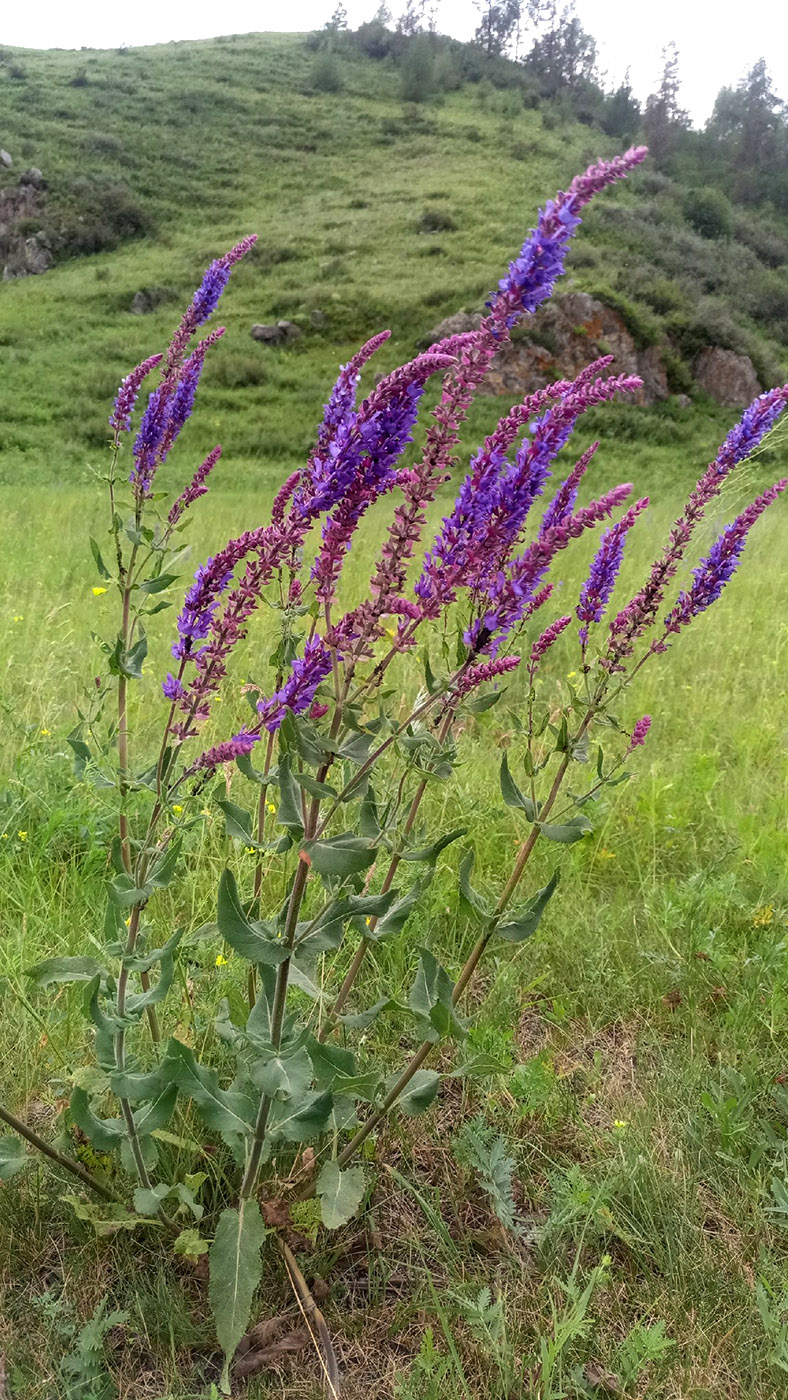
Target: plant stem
(471,963)
(120,1048)
(62,1161)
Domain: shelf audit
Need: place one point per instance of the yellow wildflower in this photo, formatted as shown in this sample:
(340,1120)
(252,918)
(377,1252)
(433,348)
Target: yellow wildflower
(19,617)
(272,808)
(620,1123)
(177,808)
(97,592)
(571,675)
(605,854)
(45,733)
(22,835)
(763,916)
(249,850)
(5,836)
(221,961)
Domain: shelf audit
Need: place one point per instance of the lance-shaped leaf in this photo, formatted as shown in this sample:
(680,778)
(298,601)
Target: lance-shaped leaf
(51,970)
(341,1194)
(418,1093)
(226,1111)
(147,960)
(471,902)
(289,812)
(236,1267)
(512,795)
(431,1003)
(526,921)
(164,867)
(340,855)
(429,854)
(395,919)
(244,938)
(300,1120)
(105,1133)
(13,1157)
(125,892)
(258,1025)
(567,832)
(135,1085)
(237,822)
(359,1020)
(314,788)
(155,1114)
(335,1069)
(136,1004)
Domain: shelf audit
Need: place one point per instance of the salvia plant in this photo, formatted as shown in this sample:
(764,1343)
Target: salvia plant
(335,762)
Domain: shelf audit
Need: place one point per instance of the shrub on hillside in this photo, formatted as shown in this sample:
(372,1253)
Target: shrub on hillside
(709,212)
(325,74)
(417,77)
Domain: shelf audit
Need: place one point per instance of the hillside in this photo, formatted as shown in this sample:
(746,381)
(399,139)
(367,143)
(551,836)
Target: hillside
(370,213)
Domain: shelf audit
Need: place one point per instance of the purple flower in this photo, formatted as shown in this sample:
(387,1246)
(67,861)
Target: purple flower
(641,611)
(196,487)
(565,498)
(298,691)
(169,408)
(596,590)
(544,642)
(241,743)
(172,688)
(639,734)
(720,564)
(206,298)
(120,418)
(477,675)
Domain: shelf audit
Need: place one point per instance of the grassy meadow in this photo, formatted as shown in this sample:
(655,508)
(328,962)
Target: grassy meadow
(645,1028)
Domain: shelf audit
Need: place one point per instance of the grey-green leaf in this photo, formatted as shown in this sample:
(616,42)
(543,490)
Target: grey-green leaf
(227,1111)
(526,922)
(13,1157)
(64,970)
(512,795)
(236,1267)
(341,1194)
(418,1094)
(340,855)
(566,832)
(236,929)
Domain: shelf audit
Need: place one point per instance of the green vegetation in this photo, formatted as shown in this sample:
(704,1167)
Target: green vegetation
(612,1214)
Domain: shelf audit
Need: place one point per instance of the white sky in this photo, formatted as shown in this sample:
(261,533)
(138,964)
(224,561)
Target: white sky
(718,39)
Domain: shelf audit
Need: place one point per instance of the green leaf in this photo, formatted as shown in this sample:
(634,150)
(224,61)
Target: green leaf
(526,922)
(51,970)
(190,1244)
(567,832)
(258,1026)
(104,1133)
(155,1114)
(302,1121)
(243,937)
(157,584)
(163,869)
(106,1218)
(135,1086)
(512,795)
(314,788)
(430,1000)
(13,1157)
(368,820)
(129,663)
(340,855)
(124,892)
(359,1020)
(80,750)
(418,1094)
(472,903)
(236,1268)
(156,993)
(226,1111)
(283,1076)
(148,1201)
(429,854)
(237,822)
(395,919)
(289,812)
(341,1194)
(100,565)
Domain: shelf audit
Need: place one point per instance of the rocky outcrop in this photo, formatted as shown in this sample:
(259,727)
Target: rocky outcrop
(727,377)
(22,254)
(6,159)
(279,334)
(565,336)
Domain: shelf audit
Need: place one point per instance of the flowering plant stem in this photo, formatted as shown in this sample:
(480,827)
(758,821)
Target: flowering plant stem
(76,1169)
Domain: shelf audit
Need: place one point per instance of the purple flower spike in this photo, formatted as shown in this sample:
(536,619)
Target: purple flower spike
(639,734)
(565,498)
(172,688)
(720,564)
(206,298)
(477,675)
(596,590)
(298,692)
(641,612)
(120,418)
(545,641)
(196,488)
(241,743)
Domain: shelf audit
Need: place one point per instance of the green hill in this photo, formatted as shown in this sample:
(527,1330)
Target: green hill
(371,213)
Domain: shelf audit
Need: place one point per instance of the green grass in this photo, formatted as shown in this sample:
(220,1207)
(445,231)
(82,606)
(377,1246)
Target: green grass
(644,1029)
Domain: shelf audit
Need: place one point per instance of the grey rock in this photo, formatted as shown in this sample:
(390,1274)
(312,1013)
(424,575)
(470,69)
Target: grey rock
(458,324)
(727,377)
(270,335)
(38,257)
(317,318)
(6,159)
(288,330)
(33,177)
(142,304)
(684,401)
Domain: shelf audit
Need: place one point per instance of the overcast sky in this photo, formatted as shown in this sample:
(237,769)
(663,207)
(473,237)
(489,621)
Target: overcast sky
(718,39)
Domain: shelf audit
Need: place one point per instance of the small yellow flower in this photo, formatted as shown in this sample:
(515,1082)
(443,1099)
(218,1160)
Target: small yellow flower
(369,920)
(272,808)
(221,961)
(571,675)
(763,916)
(249,850)
(205,811)
(97,592)
(45,733)
(19,617)
(620,1123)
(127,921)
(4,836)
(391,631)
(22,835)
(177,808)
(605,854)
